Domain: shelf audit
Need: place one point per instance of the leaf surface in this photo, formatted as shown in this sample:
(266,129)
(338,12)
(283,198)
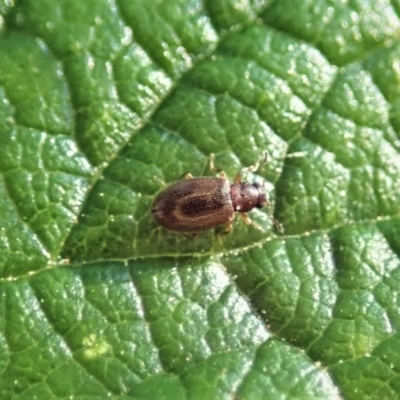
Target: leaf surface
(99,98)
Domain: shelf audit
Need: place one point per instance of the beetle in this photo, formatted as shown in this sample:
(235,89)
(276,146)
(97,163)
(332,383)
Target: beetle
(193,205)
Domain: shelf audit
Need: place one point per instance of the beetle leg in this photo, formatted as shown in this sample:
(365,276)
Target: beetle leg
(159,180)
(212,158)
(222,232)
(246,219)
(186,176)
(238,177)
(228,228)
(252,168)
(214,168)
(248,222)
(222,174)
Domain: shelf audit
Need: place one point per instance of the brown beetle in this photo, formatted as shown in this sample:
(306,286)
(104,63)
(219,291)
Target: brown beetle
(196,204)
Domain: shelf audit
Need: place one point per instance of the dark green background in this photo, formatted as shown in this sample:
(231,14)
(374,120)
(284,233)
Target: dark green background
(97,98)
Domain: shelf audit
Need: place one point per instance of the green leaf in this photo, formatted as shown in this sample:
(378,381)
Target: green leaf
(101,100)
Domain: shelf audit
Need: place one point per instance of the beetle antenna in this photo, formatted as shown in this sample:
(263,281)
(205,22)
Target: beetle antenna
(275,222)
(263,160)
